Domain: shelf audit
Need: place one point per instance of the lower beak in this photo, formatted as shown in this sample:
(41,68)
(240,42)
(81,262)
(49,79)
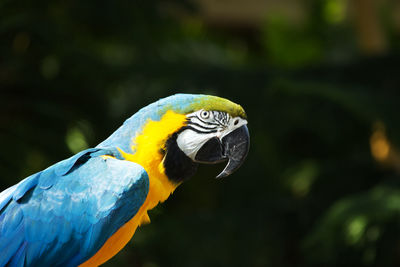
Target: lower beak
(233,147)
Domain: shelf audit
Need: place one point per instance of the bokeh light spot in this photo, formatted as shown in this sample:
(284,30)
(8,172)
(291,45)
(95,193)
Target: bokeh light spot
(355,229)
(380,146)
(302,178)
(76,140)
(335,11)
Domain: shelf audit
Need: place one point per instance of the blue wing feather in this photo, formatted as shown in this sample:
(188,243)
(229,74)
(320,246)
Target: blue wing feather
(19,258)
(64,214)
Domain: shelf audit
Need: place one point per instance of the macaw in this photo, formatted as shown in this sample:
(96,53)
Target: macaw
(83,210)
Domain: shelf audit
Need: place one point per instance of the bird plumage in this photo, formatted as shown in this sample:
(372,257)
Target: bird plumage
(83,210)
(55,216)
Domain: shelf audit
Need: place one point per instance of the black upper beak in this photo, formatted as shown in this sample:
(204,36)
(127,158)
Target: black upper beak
(233,147)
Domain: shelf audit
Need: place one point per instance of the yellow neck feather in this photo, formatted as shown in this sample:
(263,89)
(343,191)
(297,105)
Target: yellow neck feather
(148,146)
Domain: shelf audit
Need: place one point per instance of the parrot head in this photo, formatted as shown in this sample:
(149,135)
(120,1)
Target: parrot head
(177,133)
(212,136)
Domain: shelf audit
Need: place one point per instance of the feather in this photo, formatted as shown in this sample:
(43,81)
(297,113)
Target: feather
(64,214)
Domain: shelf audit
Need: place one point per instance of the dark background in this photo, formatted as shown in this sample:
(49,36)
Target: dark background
(319,80)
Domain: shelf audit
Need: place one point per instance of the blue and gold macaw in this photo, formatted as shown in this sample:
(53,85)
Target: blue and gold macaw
(83,210)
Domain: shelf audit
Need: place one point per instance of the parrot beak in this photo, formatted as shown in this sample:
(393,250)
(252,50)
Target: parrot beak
(232,147)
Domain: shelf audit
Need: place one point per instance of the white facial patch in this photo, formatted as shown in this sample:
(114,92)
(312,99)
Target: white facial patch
(204,125)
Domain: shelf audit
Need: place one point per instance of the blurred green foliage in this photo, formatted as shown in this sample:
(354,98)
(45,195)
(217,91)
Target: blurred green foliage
(321,183)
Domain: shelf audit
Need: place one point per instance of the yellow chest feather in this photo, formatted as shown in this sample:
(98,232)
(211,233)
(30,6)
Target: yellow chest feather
(147,146)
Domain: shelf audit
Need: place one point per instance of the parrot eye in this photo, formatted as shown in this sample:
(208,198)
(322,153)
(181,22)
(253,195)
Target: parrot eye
(205,114)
